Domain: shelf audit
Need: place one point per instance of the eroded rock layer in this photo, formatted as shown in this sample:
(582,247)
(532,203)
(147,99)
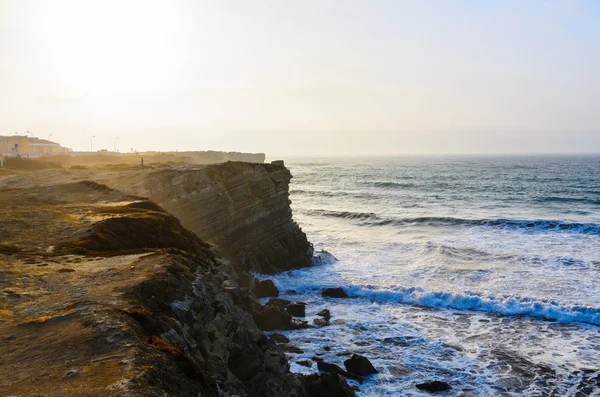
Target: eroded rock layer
(92,303)
(243,208)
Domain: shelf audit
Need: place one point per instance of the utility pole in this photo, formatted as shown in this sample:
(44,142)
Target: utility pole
(92,143)
(116,143)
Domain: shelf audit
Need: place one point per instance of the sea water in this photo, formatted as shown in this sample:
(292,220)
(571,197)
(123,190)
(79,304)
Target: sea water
(480,272)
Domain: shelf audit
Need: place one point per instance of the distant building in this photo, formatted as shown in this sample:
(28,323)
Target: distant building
(13,145)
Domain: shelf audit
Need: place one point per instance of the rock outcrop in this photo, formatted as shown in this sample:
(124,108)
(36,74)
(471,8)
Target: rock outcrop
(93,305)
(243,208)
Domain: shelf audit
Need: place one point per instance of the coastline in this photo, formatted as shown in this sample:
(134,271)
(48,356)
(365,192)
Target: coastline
(131,300)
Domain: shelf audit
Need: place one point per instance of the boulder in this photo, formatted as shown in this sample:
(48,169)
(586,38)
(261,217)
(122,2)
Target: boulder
(273,316)
(264,289)
(279,338)
(360,365)
(327,385)
(334,369)
(296,309)
(434,386)
(334,293)
(326,316)
(305,363)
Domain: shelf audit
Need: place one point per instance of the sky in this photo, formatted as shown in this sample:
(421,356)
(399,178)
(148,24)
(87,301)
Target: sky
(304,77)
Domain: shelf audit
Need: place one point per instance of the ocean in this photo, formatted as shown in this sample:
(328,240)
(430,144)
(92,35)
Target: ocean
(478,271)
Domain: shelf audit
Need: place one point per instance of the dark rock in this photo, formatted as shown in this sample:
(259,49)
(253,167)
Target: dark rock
(327,385)
(325,313)
(434,386)
(272,317)
(278,302)
(326,348)
(331,368)
(298,324)
(279,338)
(399,371)
(296,309)
(276,363)
(265,288)
(334,369)
(334,293)
(360,365)
(321,321)
(290,349)
(305,363)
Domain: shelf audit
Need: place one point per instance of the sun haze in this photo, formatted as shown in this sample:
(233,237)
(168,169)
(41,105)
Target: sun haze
(357,77)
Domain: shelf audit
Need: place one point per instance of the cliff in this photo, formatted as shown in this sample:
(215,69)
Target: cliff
(243,208)
(107,294)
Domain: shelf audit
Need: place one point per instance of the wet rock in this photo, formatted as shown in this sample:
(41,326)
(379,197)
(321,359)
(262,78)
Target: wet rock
(334,369)
(273,316)
(264,289)
(334,293)
(269,318)
(326,348)
(325,313)
(399,371)
(434,386)
(290,349)
(360,365)
(305,363)
(321,322)
(279,338)
(72,373)
(296,309)
(278,302)
(327,385)
(276,363)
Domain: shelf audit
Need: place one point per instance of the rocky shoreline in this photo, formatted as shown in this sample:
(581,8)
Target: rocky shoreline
(104,292)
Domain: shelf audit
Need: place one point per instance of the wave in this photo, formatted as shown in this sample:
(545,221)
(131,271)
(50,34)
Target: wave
(392,184)
(536,225)
(343,214)
(580,200)
(504,305)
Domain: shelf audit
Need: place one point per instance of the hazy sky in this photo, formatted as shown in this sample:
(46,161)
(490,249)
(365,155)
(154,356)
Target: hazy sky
(304,76)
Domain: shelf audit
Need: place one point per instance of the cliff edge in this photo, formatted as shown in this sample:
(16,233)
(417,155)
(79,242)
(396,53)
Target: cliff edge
(107,294)
(243,208)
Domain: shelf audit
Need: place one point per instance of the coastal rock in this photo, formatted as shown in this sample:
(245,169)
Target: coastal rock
(279,338)
(264,289)
(360,365)
(296,309)
(334,293)
(335,369)
(305,363)
(148,319)
(326,317)
(243,208)
(434,386)
(327,385)
(273,316)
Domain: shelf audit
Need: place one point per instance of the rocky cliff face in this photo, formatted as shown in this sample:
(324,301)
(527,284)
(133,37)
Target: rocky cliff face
(109,295)
(243,208)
